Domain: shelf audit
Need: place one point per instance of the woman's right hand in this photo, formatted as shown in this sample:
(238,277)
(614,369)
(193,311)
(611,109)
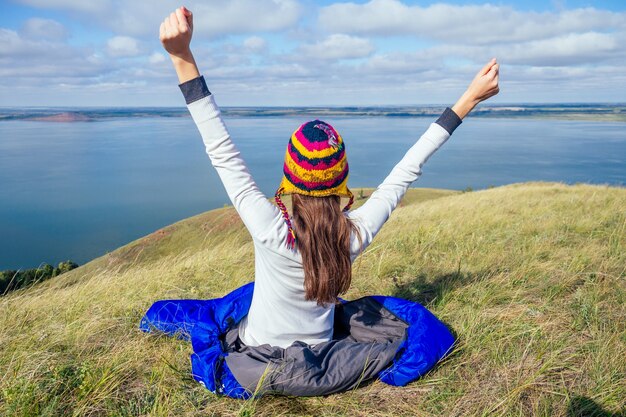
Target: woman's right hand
(175,32)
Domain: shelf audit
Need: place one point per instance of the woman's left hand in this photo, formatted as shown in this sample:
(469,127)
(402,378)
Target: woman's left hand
(483,86)
(176,31)
(175,34)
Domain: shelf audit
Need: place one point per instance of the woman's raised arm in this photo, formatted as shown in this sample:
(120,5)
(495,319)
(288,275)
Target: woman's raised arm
(255,210)
(371,216)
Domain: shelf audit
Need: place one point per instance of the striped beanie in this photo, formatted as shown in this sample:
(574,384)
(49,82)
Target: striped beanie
(315,165)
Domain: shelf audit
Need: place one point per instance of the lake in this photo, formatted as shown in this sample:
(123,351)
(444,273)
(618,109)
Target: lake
(79,190)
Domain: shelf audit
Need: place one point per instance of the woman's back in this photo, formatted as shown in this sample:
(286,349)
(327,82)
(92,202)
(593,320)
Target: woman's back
(279,313)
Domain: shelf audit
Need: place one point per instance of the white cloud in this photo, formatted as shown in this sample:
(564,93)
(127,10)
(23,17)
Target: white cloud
(349,59)
(10,42)
(77,5)
(477,24)
(45,29)
(336,47)
(565,50)
(245,16)
(141,18)
(590,48)
(13,46)
(122,46)
(255,44)
(157,58)
(44,64)
(404,62)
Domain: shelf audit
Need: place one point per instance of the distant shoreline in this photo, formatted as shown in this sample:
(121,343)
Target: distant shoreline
(581,112)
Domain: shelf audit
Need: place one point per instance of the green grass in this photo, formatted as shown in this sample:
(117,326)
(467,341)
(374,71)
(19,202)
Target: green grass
(530,277)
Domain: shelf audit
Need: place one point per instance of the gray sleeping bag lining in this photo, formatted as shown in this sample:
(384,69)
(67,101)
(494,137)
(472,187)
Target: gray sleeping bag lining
(366,339)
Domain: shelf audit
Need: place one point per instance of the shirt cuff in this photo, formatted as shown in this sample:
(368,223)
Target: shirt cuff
(194,89)
(449,120)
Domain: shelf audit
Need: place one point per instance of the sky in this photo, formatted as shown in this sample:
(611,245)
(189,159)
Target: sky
(313,53)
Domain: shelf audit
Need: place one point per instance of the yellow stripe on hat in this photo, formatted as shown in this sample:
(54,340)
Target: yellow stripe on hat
(341,189)
(313,154)
(315,175)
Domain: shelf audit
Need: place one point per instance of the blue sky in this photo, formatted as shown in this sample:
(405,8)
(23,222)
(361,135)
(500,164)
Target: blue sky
(304,52)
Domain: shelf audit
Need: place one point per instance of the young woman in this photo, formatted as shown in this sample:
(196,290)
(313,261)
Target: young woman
(303,262)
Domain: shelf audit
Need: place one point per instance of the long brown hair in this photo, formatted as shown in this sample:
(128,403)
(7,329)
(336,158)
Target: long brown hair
(323,239)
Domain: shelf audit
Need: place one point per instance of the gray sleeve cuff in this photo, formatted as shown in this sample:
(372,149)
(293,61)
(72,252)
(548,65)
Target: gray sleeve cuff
(194,89)
(449,120)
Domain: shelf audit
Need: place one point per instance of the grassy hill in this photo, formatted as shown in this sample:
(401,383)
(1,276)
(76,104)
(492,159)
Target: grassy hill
(530,277)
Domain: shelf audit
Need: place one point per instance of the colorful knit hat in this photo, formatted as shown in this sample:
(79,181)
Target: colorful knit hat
(315,165)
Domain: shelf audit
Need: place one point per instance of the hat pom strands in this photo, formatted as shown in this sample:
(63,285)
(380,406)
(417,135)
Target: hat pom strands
(291,235)
(347,207)
(315,165)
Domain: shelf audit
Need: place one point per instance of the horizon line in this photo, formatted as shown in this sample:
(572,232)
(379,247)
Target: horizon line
(617,103)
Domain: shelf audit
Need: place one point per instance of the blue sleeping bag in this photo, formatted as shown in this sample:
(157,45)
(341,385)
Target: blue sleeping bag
(388,338)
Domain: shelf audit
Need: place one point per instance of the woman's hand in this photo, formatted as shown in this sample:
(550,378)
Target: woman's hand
(175,32)
(485,83)
(483,86)
(175,35)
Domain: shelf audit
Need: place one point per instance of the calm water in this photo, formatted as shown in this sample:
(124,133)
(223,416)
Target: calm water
(78,190)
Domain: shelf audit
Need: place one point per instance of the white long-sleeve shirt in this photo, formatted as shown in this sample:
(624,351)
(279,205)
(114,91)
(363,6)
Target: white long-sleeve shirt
(279,313)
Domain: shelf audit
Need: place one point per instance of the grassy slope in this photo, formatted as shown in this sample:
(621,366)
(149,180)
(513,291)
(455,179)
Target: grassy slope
(529,276)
